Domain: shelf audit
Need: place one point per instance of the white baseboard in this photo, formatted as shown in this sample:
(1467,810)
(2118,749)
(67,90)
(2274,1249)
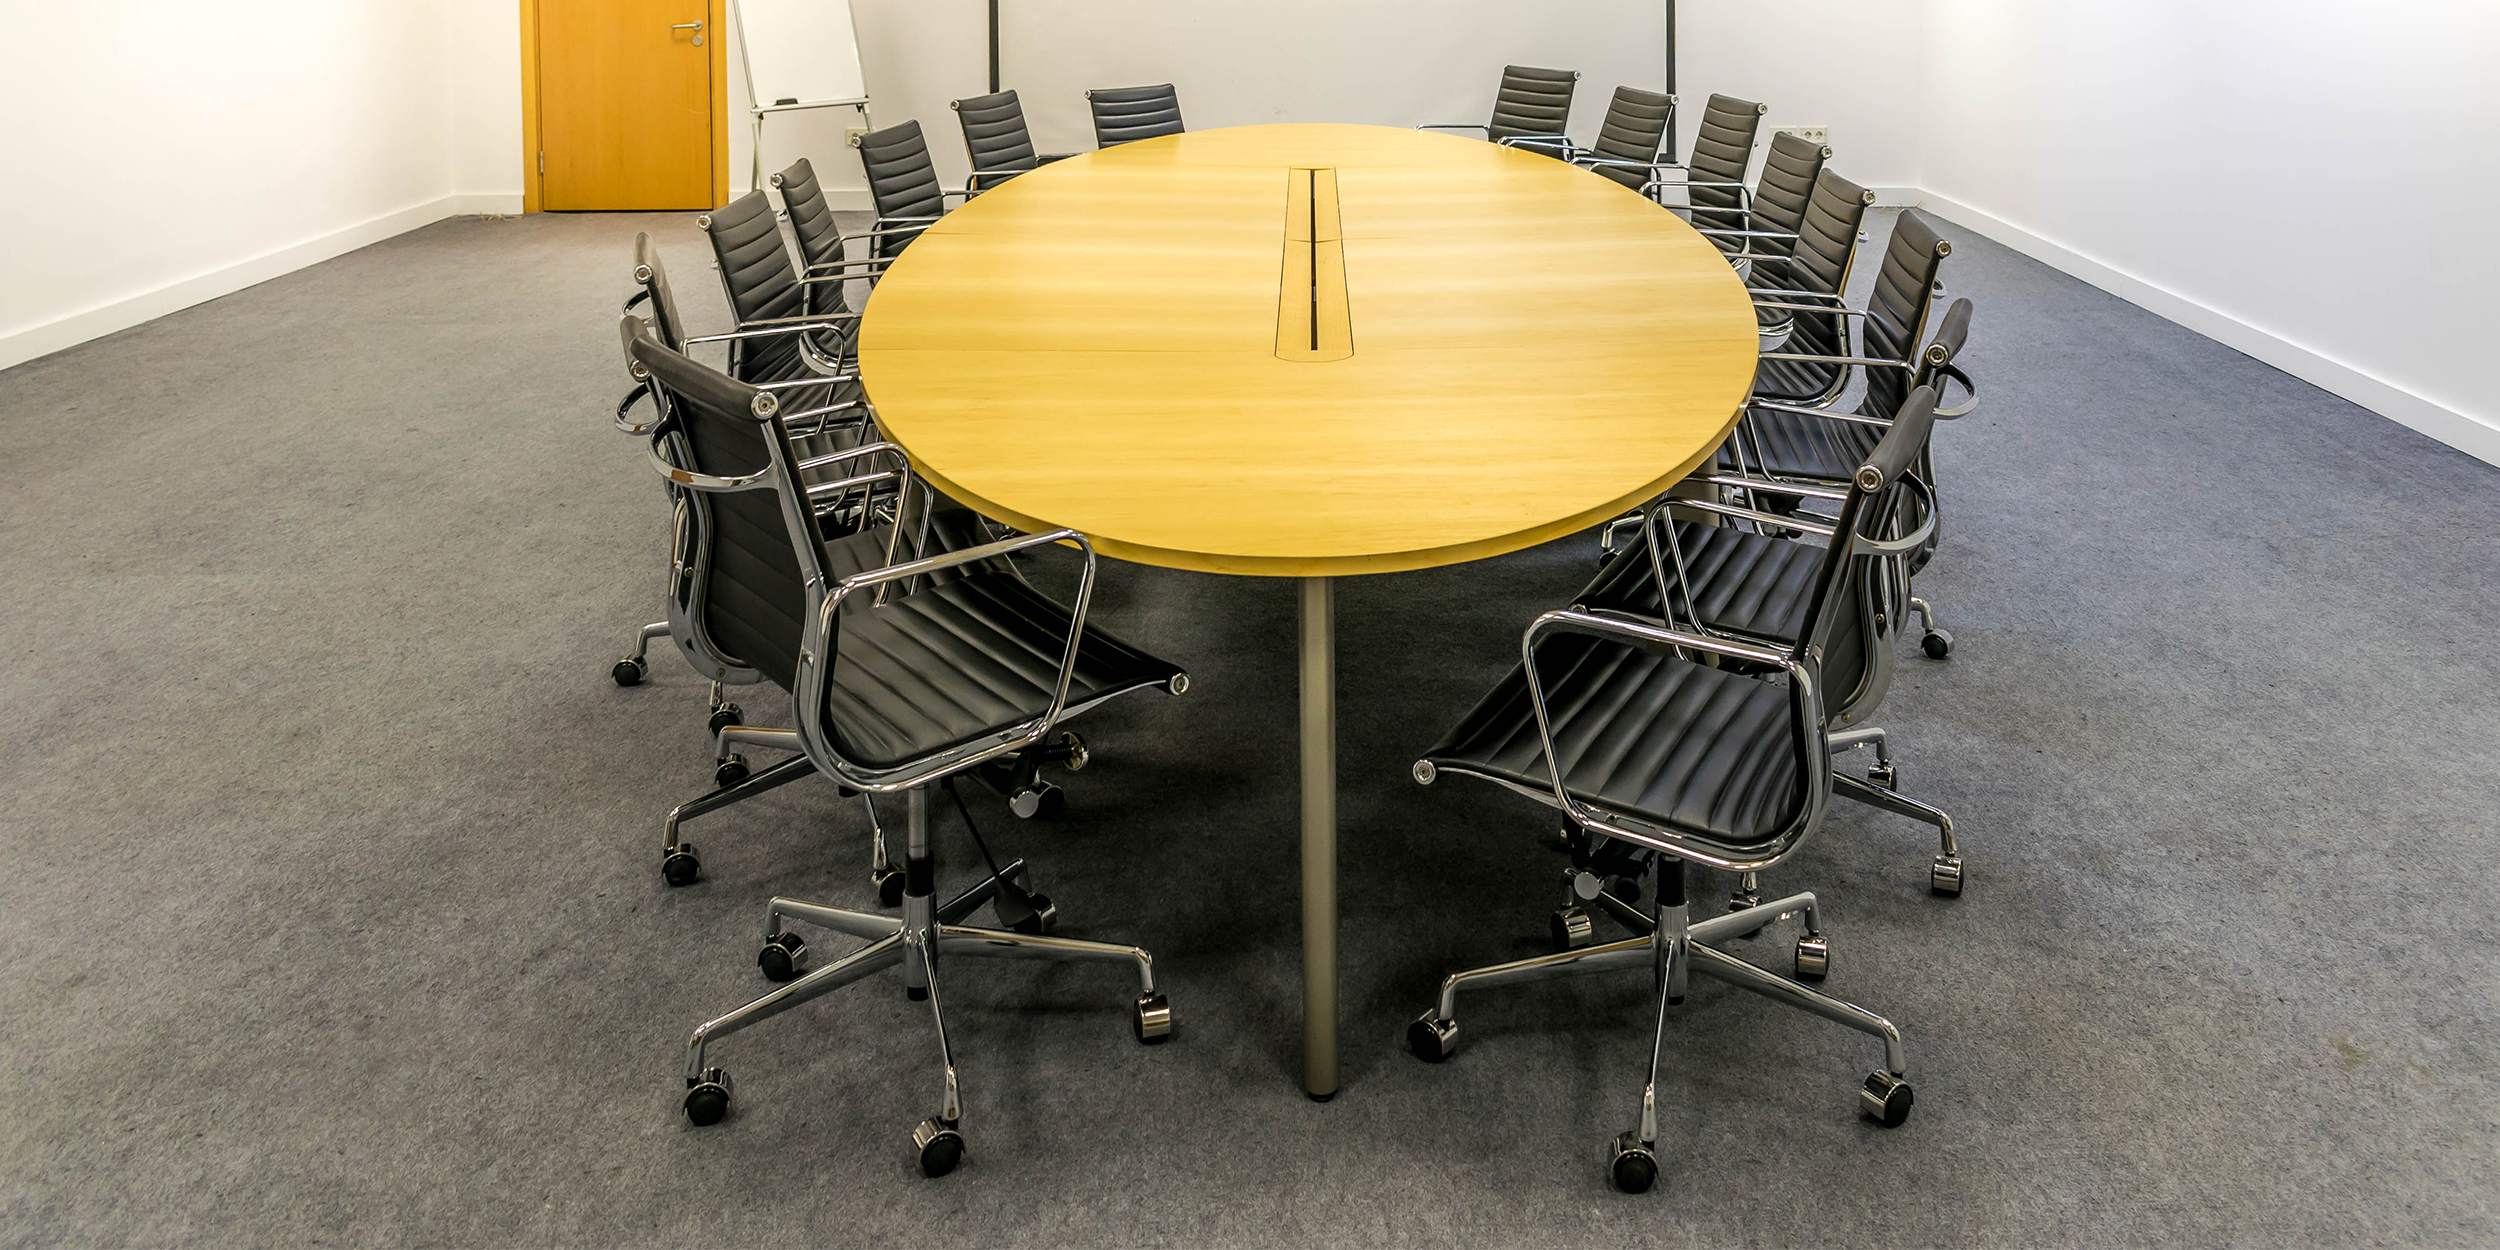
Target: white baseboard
(121,314)
(2466,433)
(1898,197)
(485,203)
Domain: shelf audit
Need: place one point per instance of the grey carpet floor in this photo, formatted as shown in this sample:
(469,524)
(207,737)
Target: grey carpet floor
(332,914)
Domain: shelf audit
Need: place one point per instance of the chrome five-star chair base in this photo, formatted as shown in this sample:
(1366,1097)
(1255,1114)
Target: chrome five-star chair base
(916,943)
(1675,948)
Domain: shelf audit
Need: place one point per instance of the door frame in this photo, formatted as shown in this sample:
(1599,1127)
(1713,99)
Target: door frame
(533,139)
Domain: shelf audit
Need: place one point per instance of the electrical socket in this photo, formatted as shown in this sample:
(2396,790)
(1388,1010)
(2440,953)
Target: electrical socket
(851,135)
(1811,134)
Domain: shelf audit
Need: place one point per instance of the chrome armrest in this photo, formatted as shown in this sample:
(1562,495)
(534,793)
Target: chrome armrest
(772,326)
(1750,234)
(1771,486)
(1488,130)
(1541,141)
(1826,309)
(826,380)
(1731,511)
(1806,719)
(1863,361)
(1792,293)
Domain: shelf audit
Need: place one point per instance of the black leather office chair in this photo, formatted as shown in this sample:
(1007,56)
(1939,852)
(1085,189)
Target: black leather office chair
(902,675)
(1660,760)
(824,260)
(903,184)
(1745,577)
(811,397)
(1799,443)
(1781,198)
(1128,114)
(1713,181)
(1626,150)
(996,139)
(1532,108)
(778,339)
(1815,366)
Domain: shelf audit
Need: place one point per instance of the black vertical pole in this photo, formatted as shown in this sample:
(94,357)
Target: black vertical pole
(994,46)
(1670,64)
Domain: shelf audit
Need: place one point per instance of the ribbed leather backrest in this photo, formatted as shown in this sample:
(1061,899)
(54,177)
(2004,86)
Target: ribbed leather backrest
(900,179)
(1786,187)
(820,238)
(1128,114)
(1899,304)
(754,599)
(755,271)
(995,133)
(654,278)
(1827,239)
(1636,123)
(1721,153)
(1532,101)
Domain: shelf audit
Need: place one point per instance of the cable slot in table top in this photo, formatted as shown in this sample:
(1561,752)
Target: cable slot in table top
(1313,321)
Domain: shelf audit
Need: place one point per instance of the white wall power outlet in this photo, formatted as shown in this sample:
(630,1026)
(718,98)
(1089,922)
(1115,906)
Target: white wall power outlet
(851,135)
(1811,134)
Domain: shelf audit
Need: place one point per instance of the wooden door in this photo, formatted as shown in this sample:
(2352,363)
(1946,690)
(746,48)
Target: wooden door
(626,104)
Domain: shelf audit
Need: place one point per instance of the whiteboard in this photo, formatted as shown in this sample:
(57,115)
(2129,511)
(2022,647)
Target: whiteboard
(799,53)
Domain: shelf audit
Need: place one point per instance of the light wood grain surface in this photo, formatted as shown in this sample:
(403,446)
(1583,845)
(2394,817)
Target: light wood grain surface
(1097,345)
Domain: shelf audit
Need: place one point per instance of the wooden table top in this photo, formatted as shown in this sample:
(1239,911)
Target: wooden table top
(1205,355)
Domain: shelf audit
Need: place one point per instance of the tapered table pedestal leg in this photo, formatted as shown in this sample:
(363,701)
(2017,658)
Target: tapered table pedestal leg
(1319,838)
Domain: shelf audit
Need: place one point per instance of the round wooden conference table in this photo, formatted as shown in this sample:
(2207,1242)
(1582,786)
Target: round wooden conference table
(1308,351)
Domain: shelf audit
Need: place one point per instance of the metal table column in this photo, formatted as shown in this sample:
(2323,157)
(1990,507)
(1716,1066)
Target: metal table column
(1319,838)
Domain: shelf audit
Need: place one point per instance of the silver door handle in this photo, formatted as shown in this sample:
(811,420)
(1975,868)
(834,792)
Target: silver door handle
(687,26)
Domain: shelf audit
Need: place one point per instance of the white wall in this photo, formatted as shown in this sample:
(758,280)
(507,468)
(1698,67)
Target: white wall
(159,153)
(2302,179)
(1851,66)
(1386,62)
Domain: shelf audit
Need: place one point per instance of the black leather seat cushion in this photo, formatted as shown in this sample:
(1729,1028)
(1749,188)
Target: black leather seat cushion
(1794,445)
(962,659)
(1796,380)
(1644,735)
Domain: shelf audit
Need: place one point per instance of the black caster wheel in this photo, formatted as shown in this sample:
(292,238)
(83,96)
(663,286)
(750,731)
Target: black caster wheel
(781,956)
(889,880)
(730,771)
(1884,775)
(1936,643)
(941,1147)
(1045,917)
(1634,1167)
(1042,802)
(1432,1038)
(707,1097)
(1814,957)
(1570,928)
(1944,876)
(629,671)
(680,866)
(1886,1099)
(725,715)
(1152,1019)
(1626,888)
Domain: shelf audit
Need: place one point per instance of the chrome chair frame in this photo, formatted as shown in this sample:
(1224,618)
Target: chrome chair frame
(1669,944)
(915,940)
